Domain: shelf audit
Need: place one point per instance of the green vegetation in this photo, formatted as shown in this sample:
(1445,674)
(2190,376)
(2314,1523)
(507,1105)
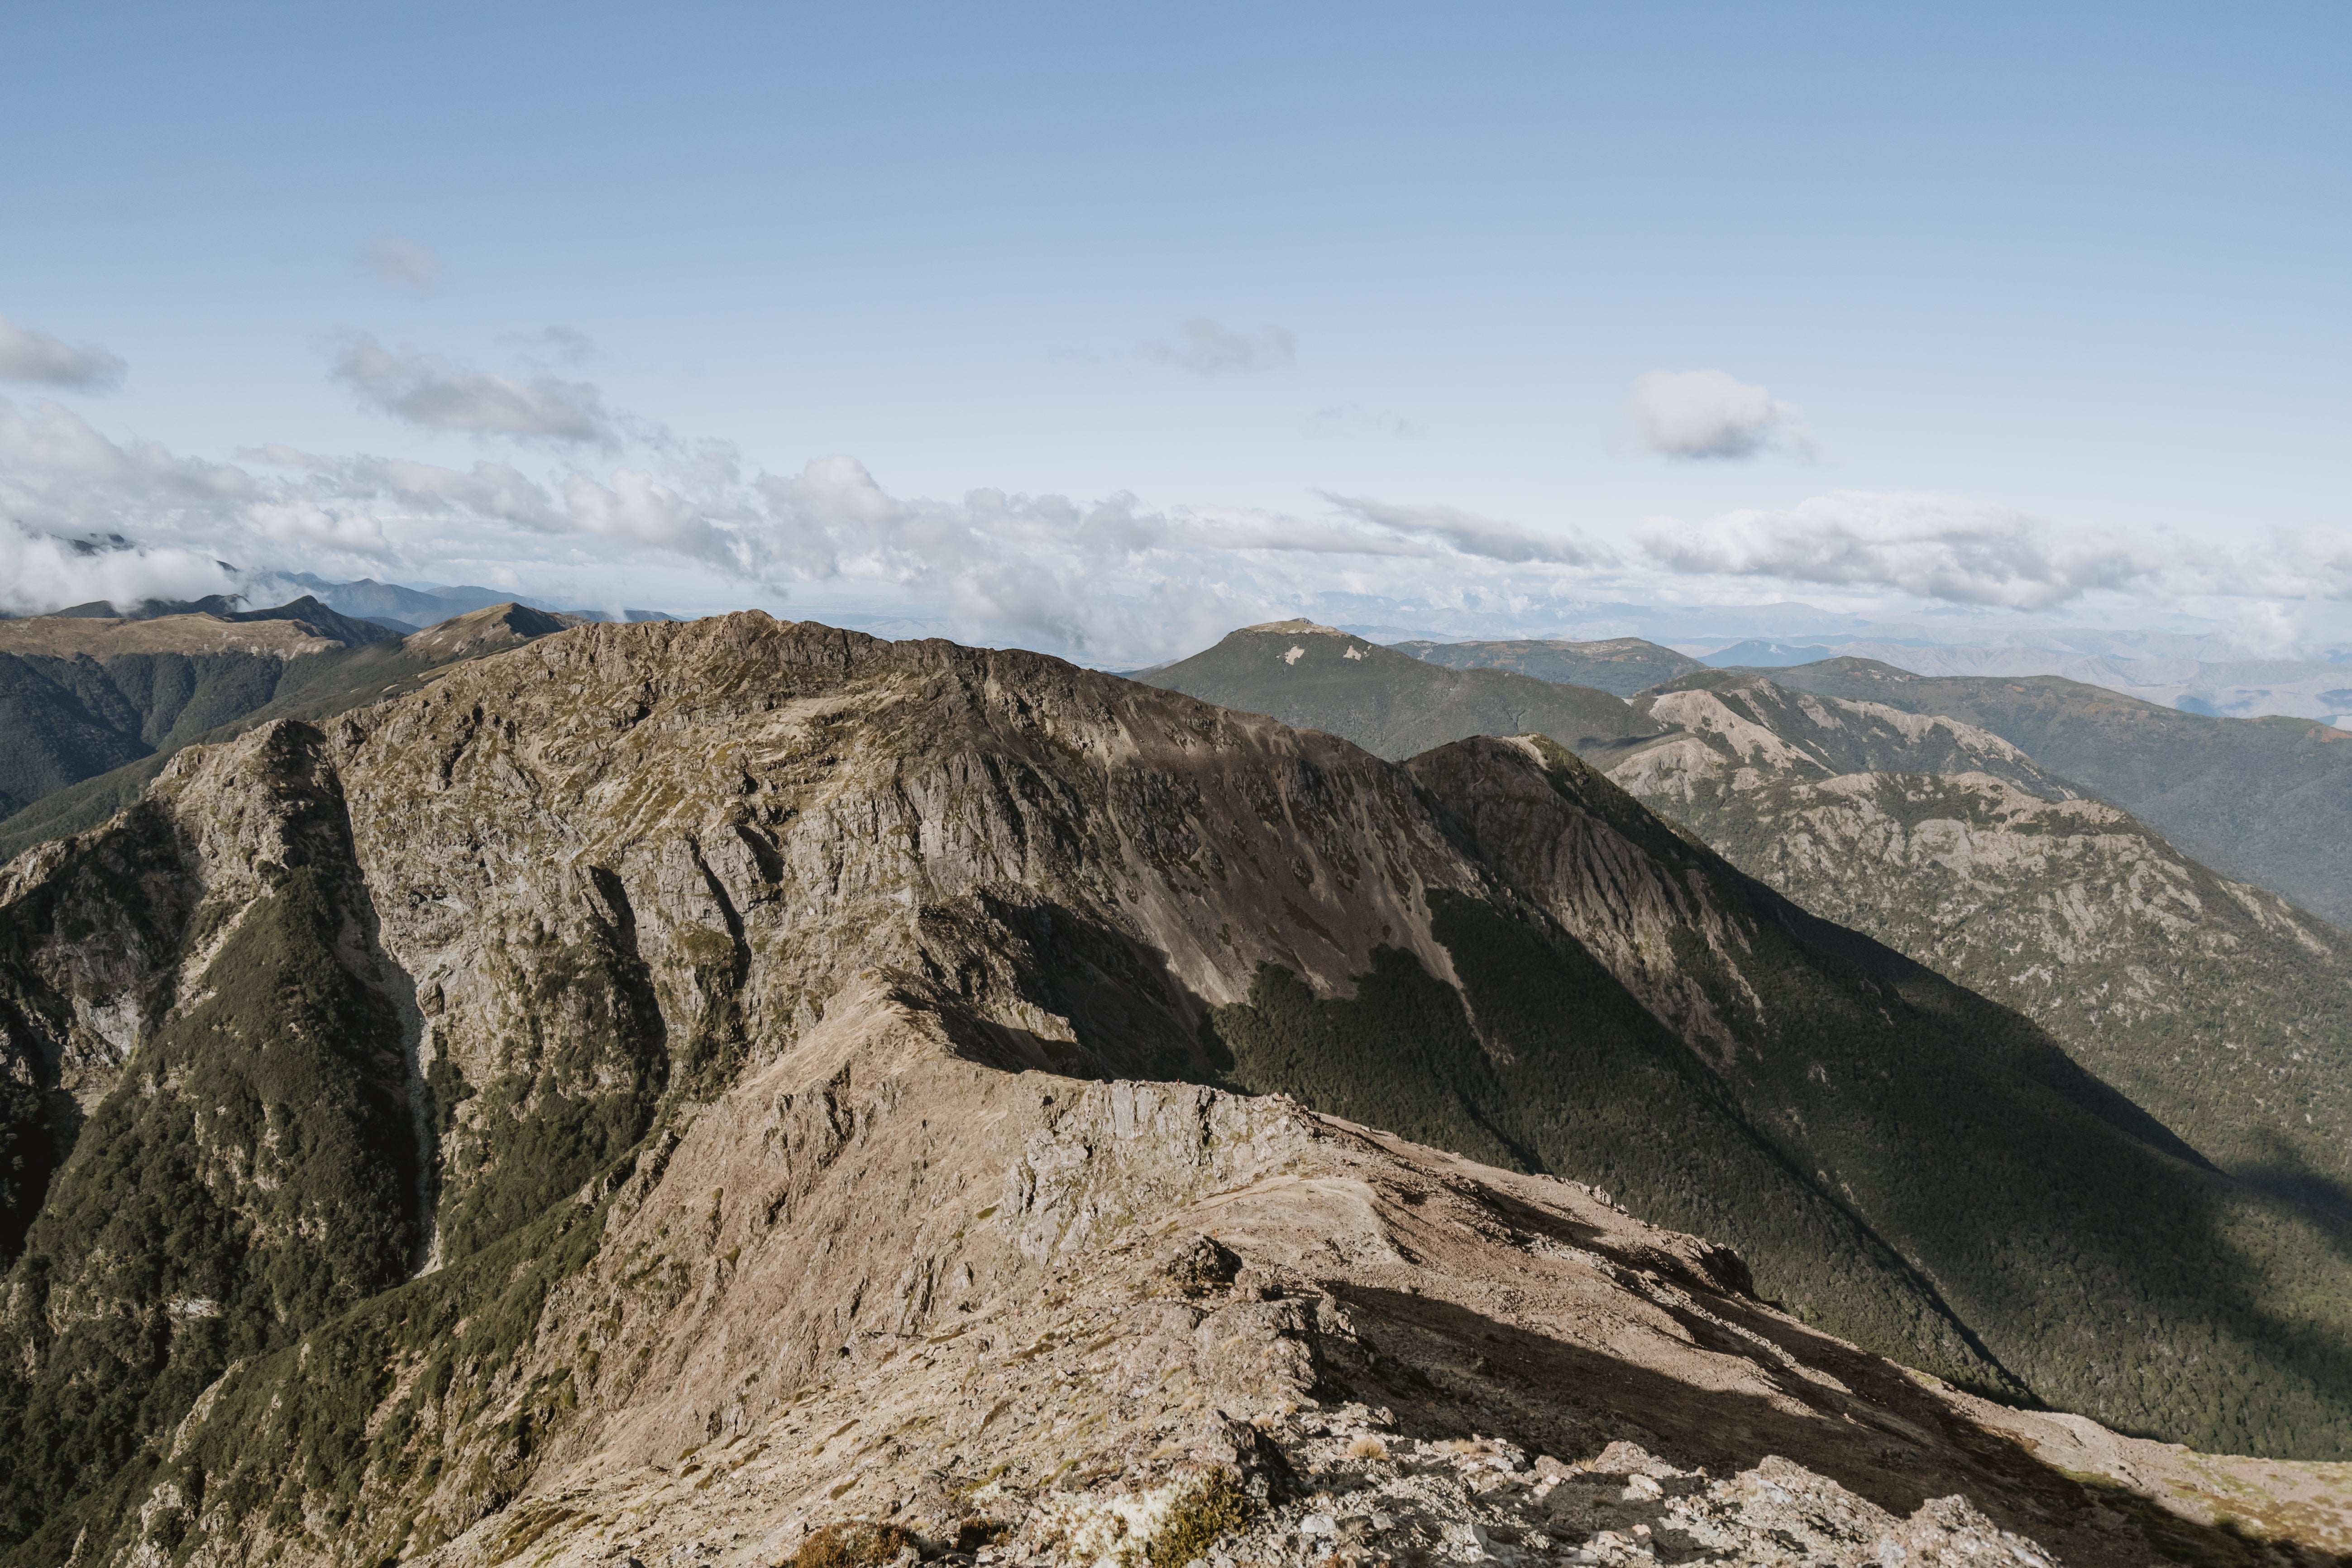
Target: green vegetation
(853,1543)
(2230,1027)
(72,719)
(2266,800)
(302,1431)
(1390,703)
(1565,1073)
(584,1068)
(247,1180)
(1620,666)
(1894,1156)
(1215,1507)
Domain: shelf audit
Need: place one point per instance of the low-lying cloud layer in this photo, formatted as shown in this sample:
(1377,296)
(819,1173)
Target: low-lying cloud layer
(30,356)
(1109,579)
(575,492)
(1697,415)
(1932,547)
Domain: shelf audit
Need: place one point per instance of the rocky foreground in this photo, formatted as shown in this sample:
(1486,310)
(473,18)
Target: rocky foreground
(1192,1326)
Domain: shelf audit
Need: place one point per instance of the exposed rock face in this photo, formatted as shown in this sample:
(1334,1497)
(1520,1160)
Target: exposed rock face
(646,1038)
(2263,799)
(2218,1007)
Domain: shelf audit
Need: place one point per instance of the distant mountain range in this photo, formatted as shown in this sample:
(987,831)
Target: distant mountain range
(388,606)
(2266,800)
(1620,666)
(1387,702)
(1952,821)
(419,607)
(94,707)
(2238,688)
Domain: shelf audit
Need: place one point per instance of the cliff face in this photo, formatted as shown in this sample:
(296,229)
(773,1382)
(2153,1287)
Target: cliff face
(616,1043)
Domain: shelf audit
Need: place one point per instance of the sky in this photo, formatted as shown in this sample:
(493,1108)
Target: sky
(1104,329)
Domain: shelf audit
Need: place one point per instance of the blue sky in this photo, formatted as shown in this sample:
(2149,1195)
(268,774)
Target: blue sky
(2032,310)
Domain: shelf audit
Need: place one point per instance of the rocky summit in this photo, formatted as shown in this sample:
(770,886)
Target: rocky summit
(740,1092)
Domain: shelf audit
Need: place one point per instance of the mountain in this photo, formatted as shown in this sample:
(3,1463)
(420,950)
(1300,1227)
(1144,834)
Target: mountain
(1389,703)
(2217,1006)
(1766,653)
(413,609)
(92,729)
(2197,679)
(81,695)
(2268,801)
(612,1052)
(1620,666)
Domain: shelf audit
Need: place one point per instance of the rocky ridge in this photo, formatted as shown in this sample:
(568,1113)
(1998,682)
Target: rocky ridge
(2262,800)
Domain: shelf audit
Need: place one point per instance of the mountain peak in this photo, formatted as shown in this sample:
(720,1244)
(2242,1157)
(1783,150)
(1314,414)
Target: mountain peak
(510,622)
(1298,626)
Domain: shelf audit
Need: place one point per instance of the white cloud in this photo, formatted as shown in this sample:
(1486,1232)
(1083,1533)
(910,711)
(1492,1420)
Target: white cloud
(1933,547)
(399,263)
(435,395)
(2315,562)
(1471,534)
(40,573)
(1208,348)
(28,355)
(59,475)
(1703,413)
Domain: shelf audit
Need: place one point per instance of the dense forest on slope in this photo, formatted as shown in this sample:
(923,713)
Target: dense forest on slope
(1618,666)
(1389,703)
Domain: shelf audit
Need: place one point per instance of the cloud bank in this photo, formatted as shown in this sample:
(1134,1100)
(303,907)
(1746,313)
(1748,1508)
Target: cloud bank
(1698,415)
(1932,547)
(31,356)
(1110,579)
(38,573)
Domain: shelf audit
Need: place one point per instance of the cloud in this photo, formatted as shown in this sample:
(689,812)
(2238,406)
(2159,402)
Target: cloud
(28,355)
(1469,534)
(1702,414)
(59,475)
(1934,547)
(1207,348)
(431,392)
(2313,563)
(40,573)
(398,263)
